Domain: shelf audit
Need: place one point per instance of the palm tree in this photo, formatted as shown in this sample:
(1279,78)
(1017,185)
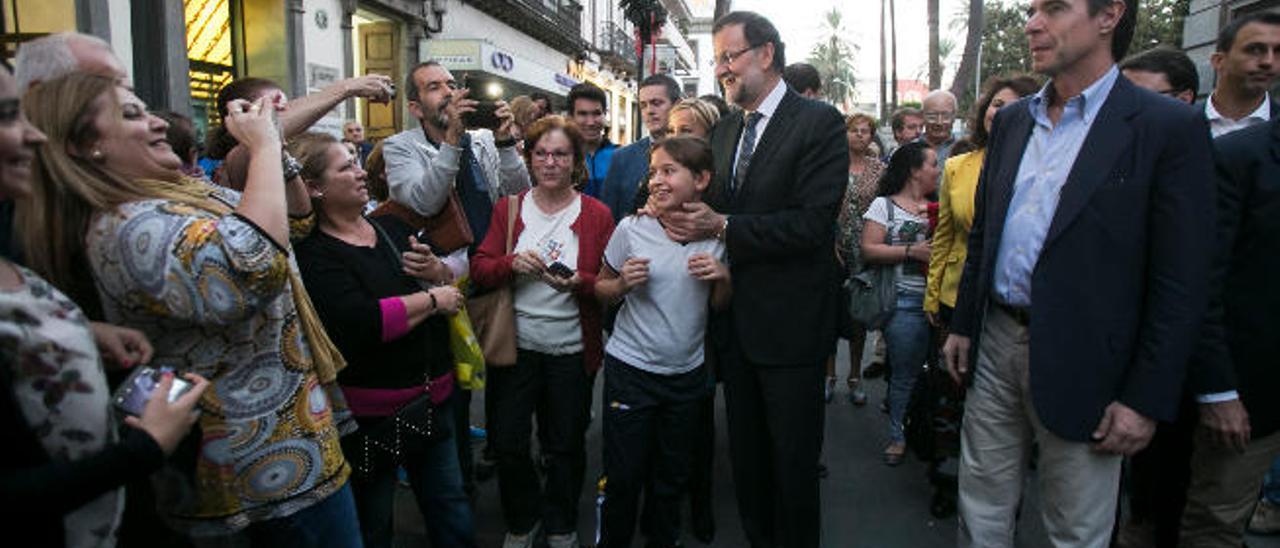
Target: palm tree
(969,59)
(833,59)
(893,42)
(884,75)
(722,7)
(935,56)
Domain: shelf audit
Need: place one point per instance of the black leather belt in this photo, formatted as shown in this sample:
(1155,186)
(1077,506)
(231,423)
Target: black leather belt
(1019,314)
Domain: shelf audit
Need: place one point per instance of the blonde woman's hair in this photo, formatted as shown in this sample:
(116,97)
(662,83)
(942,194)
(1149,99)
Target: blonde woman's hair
(69,187)
(704,112)
(522,108)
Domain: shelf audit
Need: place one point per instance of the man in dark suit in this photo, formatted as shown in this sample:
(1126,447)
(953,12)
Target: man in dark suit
(1157,475)
(1246,61)
(629,168)
(780,174)
(1238,349)
(1085,283)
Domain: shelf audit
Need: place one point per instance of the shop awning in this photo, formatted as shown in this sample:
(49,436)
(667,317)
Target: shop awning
(520,75)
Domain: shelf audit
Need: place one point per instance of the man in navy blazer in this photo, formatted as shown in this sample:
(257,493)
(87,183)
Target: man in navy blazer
(1085,283)
(629,168)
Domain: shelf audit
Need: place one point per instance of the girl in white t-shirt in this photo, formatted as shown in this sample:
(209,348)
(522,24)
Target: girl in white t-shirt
(896,236)
(655,380)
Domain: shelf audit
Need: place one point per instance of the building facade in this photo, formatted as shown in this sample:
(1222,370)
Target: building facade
(180,53)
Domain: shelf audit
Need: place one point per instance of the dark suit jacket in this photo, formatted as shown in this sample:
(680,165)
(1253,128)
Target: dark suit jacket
(1241,342)
(628,169)
(1121,285)
(782,230)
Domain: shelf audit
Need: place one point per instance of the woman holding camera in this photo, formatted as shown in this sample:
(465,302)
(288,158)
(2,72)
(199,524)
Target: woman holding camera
(365,276)
(208,275)
(64,461)
(559,237)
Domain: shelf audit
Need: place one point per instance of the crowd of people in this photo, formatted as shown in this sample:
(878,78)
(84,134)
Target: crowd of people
(1075,283)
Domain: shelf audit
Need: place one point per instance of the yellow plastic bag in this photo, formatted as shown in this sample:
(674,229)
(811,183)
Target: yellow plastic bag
(468,359)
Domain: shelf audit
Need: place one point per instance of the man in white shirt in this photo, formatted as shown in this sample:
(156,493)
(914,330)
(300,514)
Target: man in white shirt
(1247,62)
(1225,459)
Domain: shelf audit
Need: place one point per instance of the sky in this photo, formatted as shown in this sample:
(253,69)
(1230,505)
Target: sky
(801,24)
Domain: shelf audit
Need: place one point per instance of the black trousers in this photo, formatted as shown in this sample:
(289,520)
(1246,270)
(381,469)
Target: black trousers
(775,424)
(559,389)
(650,421)
(704,455)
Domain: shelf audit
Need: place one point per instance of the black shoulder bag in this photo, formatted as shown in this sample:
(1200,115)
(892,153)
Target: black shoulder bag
(411,429)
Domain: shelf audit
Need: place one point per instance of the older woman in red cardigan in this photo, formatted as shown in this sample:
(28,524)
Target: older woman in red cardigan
(558,237)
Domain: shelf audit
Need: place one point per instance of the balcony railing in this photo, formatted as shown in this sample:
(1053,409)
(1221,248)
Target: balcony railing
(557,23)
(616,46)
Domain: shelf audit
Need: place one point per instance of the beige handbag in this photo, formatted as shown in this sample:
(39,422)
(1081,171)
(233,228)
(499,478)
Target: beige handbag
(493,314)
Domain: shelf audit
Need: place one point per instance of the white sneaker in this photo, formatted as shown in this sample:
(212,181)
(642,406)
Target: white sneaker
(1266,519)
(513,540)
(569,540)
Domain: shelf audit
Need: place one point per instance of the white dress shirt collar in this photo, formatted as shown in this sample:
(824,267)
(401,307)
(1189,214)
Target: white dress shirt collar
(771,101)
(1220,125)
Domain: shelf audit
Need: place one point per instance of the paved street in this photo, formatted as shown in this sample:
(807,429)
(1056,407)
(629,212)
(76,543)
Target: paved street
(865,503)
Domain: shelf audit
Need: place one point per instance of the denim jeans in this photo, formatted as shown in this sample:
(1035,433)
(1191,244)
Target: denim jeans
(906,337)
(436,480)
(1271,486)
(330,523)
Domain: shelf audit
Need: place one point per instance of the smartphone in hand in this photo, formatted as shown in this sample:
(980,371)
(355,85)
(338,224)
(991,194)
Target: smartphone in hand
(559,270)
(133,395)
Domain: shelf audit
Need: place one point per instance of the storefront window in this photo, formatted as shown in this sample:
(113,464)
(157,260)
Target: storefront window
(29,19)
(209,49)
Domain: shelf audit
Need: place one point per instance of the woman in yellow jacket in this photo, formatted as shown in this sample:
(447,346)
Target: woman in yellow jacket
(955,200)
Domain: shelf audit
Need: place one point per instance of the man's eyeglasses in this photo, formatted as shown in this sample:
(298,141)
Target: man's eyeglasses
(727,58)
(939,117)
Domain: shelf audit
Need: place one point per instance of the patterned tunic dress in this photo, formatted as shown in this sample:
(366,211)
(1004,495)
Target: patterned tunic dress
(212,293)
(857,198)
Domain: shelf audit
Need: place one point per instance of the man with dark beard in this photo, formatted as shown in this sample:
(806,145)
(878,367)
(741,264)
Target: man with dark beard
(424,163)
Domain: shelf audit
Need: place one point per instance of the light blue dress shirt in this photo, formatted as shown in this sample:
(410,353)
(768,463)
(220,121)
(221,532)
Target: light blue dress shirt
(1046,164)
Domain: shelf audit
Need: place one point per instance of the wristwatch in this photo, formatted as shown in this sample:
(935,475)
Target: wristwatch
(290,166)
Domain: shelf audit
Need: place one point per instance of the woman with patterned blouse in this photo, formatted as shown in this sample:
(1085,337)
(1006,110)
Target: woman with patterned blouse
(64,463)
(208,275)
(864,173)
